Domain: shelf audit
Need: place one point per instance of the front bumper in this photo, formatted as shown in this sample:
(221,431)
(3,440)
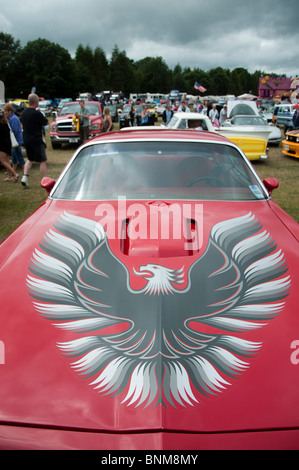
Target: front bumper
(274,141)
(64,139)
(290,148)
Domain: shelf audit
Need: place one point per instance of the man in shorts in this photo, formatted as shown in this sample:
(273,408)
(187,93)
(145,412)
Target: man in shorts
(33,122)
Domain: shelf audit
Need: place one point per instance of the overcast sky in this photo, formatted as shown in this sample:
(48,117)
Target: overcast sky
(254,34)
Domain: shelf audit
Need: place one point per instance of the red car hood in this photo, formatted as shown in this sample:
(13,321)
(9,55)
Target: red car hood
(123,353)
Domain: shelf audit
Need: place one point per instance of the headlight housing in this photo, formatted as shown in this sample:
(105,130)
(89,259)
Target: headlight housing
(95,127)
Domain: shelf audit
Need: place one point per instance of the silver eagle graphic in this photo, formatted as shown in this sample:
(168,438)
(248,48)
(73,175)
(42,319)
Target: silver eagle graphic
(236,286)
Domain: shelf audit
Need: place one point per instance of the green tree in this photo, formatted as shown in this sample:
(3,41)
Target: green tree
(178,79)
(122,72)
(9,50)
(220,81)
(85,80)
(48,67)
(241,81)
(101,70)
(155,75)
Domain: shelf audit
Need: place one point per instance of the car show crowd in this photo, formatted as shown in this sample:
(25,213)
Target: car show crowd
(143,110)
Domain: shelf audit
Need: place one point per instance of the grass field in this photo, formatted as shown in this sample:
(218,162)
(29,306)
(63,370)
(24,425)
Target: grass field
(17,203)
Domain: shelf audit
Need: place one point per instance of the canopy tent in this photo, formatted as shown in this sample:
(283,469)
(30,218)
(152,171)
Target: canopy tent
(247,96)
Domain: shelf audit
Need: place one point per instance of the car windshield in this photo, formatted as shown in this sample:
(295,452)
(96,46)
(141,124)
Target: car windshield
(173,123)
(158,169)
(181,123)
(72,108)
(248,121)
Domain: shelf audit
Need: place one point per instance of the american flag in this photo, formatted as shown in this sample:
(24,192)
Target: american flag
(199,87)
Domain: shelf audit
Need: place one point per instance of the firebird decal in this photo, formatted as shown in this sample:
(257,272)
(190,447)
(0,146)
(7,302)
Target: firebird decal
(179,342)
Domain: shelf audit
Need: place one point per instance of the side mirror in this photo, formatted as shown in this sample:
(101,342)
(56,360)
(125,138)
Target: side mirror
(48,184)
(270,183)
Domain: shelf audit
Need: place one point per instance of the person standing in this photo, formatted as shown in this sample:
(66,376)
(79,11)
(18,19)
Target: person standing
(132,115)
(223,115)
(33,123)
(145,116)
(167,114)
(5,148)
(83,116)
(184,108)
(108,124)
(15,125)
(296,116)
(213,115)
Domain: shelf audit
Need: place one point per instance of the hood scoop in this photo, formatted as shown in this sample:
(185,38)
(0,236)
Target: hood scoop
(160,230)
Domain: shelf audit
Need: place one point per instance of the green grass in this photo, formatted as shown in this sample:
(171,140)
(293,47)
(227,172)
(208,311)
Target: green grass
(286,171)
(17,203)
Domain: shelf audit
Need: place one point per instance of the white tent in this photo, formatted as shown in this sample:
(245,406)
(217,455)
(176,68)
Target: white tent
(247,96)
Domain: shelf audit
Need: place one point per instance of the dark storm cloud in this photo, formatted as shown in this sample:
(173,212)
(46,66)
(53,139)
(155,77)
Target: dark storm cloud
(257,35)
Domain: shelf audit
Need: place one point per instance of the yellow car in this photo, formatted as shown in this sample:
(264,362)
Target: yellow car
(254,148)
(291,144)
(20,103)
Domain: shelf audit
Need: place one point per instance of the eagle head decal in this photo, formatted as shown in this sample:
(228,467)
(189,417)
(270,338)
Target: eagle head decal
(159,279)
(181,333)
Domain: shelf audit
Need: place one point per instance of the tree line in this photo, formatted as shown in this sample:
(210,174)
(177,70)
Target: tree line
(55,74)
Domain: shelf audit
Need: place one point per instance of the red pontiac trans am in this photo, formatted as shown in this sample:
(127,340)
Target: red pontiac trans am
(151,303)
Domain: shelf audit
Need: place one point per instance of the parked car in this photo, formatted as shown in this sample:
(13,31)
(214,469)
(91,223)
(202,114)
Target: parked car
(160,108)
(45,106)
(255,148)
(124,120)
(62,102)
(283,115)
(153,113)
(157,286)
(19,105)
(267,113)
(290,144)
(63,129)
(254,125)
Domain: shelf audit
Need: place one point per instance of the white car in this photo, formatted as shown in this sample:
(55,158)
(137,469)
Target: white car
(254,125)
(45,107)
(181,120)
(160,108)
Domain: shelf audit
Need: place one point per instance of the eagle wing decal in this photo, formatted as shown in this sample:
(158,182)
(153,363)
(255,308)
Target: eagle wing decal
(172,342)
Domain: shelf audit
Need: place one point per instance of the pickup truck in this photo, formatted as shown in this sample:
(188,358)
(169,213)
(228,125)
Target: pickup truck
(63,129)
(283,115)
